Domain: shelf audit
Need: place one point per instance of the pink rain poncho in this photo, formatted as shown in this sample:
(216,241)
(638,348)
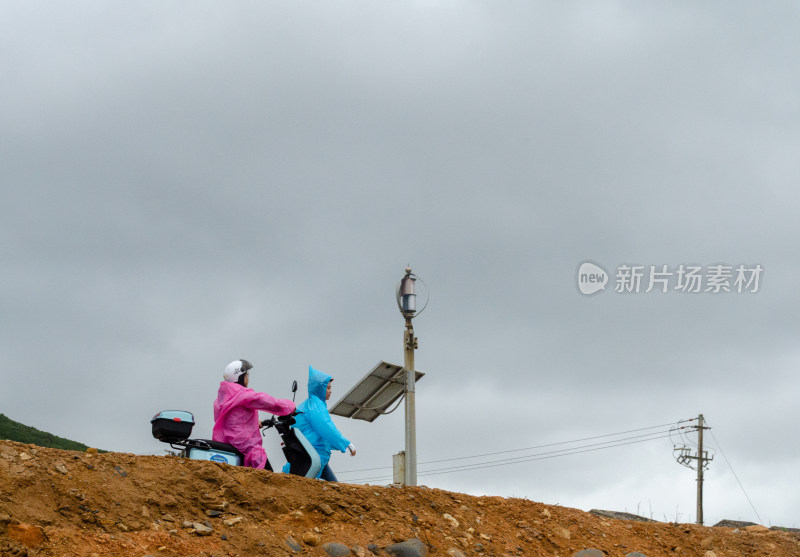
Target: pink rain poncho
(236,419)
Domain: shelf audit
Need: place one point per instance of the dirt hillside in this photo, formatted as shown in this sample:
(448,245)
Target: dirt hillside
(59,503)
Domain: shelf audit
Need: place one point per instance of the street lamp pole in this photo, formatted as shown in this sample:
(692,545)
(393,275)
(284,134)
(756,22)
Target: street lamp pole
(411,423)
(407,302)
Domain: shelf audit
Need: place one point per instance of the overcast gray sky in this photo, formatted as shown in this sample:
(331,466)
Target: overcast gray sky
(187,183)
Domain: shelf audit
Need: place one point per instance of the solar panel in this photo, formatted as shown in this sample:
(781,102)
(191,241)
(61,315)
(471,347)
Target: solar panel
(374,394)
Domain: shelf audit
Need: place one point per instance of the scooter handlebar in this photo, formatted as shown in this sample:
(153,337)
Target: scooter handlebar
(269,422)
(273,421)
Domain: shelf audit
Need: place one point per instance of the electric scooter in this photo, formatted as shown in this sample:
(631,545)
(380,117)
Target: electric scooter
(174,427)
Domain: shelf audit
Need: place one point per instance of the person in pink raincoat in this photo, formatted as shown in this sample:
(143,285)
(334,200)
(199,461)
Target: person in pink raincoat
(236,414)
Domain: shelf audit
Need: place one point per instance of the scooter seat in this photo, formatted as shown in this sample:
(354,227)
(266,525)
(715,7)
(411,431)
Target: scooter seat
(218,445)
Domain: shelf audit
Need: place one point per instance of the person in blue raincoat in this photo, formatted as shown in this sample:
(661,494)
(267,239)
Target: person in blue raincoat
(316,424)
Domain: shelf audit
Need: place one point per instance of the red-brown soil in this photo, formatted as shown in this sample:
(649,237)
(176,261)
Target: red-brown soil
(58,503)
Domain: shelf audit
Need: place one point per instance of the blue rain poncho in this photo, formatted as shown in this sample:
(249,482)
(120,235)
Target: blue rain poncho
(315,421)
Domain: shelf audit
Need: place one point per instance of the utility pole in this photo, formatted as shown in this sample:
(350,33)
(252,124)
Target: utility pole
(700,462)
(702,458)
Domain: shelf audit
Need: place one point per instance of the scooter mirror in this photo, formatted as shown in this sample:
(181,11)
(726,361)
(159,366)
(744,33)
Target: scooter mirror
(294,389)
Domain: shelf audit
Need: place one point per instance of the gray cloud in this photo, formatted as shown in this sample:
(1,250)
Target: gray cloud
(188,184)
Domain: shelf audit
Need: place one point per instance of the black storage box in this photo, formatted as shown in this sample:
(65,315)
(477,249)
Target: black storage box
(172,425)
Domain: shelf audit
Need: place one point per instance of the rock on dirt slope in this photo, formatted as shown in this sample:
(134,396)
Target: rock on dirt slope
(59,503)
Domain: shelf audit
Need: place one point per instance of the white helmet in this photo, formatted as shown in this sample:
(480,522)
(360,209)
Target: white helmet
(236,369)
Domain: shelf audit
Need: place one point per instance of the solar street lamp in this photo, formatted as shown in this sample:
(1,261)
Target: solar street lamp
(386,383)
(407,302)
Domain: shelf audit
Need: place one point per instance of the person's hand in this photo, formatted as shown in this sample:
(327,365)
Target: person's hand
(352,449)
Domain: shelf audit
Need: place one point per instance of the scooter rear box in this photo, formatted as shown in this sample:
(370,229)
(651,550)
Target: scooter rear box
(172,424)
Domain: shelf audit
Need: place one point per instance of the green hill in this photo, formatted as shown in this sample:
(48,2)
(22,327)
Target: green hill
(15,431)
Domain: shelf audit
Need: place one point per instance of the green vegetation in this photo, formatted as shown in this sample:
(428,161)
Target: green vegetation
(15,431)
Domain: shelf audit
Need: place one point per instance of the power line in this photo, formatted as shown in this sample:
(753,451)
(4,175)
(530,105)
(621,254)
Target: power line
(530,458)
(597,446)
(684,439)
(525,448)
(523,458)
(552,454)
(494,464)
(546,445)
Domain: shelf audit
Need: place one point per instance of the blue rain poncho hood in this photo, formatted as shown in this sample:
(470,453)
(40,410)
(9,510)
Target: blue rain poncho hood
(318,384)
(315,421)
